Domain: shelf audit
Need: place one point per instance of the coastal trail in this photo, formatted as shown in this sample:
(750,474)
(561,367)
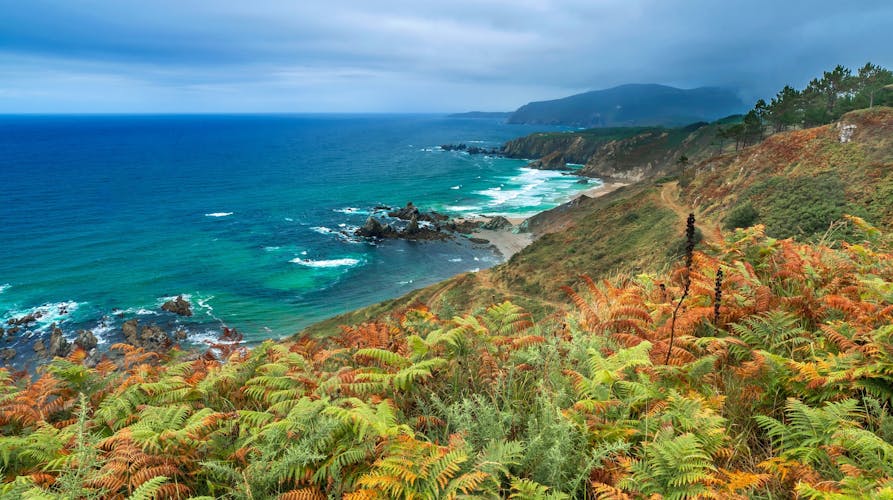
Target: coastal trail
(669,195)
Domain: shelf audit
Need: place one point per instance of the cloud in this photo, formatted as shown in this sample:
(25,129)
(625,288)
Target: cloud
(397,55)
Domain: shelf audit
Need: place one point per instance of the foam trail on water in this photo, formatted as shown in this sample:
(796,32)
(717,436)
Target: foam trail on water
(345,262)
(219,214)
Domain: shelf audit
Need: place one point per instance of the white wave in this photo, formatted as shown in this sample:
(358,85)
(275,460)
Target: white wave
(457,259)
(161,300)
(461,208)
(139,311)
(219,214)
(457,187)
(201,303)
(304,252)
(101,332)
(345,262)
(409,282)
(271,249)
(4,287)
(345,233)
(289,219)
(351,210)
(208,337)
(530,190)
(474,270)
(57,312)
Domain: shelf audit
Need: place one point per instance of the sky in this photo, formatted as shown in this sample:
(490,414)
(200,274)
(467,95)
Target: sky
(220,56)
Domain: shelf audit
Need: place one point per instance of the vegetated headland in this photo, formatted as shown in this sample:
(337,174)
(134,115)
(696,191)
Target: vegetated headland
(719,327)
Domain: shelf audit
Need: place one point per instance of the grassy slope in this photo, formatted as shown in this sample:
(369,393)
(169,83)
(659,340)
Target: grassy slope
(799,182)
(623,231)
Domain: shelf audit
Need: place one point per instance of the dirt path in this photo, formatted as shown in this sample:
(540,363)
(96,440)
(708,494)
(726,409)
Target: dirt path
(669,194)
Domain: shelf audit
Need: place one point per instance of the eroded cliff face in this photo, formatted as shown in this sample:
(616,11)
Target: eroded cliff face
(624,154)
(636,158)
(573,148)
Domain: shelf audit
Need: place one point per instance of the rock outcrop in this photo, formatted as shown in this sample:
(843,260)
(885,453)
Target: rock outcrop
(86,340)
(373,228)
(552,161)
(149,337)
(26,319)
(419,225)
(472,150)
(178,306)
(58,345)
(498,223)
(410,212)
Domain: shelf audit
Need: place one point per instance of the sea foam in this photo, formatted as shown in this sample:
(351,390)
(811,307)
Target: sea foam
(219,214)
(345,262)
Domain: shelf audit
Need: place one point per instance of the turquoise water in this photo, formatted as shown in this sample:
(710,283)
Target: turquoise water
(108,214)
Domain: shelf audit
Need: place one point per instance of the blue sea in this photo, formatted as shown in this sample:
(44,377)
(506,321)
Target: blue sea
(103,218)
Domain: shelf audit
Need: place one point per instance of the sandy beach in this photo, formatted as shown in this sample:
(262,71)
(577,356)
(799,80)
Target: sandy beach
(509,242)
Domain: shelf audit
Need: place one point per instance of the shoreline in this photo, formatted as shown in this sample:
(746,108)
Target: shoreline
(508,242)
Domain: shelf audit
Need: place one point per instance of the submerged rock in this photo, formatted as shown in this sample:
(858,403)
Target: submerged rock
(7,354)
(179,306)
(26,319)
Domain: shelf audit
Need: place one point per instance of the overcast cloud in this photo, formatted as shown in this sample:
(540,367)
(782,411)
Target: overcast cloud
(412,56)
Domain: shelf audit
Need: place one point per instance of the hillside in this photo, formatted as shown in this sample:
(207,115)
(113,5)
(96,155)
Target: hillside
(627,154)
(628,231)
(797,183)
(632,105)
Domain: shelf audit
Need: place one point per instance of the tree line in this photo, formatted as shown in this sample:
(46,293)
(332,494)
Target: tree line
(822,101)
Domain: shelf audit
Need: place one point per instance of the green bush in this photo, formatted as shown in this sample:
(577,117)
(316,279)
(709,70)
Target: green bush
(742,216)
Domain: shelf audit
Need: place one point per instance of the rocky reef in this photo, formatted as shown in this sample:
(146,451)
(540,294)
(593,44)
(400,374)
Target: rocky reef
(178,306)
(472,150)
(409,223)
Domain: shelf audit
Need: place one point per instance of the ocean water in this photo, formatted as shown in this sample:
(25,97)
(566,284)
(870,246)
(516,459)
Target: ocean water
(107,216)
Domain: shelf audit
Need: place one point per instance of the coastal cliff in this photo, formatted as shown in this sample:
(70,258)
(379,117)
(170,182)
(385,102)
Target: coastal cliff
(626,154)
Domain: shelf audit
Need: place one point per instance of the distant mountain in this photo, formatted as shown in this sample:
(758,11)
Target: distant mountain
(483,114)
(633,105)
